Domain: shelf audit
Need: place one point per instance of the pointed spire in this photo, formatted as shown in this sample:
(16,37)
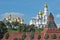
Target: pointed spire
(51,22)
(51,15)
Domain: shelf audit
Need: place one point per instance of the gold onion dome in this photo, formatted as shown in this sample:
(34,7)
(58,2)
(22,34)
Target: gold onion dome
(45,5)
(40,13)
(18,17)
(21,19)
(10,14)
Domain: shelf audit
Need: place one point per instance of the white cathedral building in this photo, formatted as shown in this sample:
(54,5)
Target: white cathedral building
(41,19)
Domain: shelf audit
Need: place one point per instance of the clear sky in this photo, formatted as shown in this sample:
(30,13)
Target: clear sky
(29,8)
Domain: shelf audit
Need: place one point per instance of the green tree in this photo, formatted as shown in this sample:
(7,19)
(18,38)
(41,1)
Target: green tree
(23,36)
(17,39)
(9,25)
(6,35)
(22,28)
(31,28)
(38,30)
(31,35)
(15,23)
(3,29)
(1,35)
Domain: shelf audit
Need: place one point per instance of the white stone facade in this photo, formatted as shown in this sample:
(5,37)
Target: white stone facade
(41,19)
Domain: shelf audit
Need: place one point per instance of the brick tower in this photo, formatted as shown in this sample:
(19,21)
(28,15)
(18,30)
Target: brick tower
(50,28)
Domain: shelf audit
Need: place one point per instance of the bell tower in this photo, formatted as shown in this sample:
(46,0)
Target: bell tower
(45,15)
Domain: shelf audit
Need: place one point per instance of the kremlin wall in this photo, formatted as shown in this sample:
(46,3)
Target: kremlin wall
(42,20)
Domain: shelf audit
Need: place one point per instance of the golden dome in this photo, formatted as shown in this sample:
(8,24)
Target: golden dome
(10,15)
(18,17)
(4,18)
(40,13)
(45,5)
(22,20)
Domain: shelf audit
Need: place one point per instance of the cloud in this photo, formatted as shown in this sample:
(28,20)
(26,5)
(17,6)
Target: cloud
(14,14)
(58,15)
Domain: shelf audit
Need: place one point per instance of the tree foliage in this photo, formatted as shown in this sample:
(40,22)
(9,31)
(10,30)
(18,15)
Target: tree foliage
(3,29)
(22,28)
(23,36)
(31,28)
(17,39)
(31,35)
(6,35)
(15,23)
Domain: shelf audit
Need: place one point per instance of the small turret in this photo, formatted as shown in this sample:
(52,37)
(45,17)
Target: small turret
(45,15)
(45,9)
(10,15)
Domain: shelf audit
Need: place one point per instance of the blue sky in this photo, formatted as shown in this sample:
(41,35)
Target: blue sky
(29,8)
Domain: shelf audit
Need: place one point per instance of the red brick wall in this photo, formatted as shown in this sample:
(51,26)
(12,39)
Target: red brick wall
(49,31)
(18,35)
(50,19)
